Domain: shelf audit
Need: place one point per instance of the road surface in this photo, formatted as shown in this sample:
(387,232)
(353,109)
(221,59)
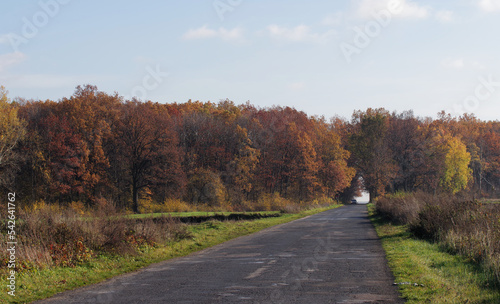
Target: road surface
(331,257)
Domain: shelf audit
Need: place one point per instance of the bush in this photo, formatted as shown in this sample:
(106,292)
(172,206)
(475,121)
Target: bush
(176,205)
(78,208)
(206,187)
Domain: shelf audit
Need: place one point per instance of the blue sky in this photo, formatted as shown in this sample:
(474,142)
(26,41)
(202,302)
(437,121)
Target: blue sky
(322,57)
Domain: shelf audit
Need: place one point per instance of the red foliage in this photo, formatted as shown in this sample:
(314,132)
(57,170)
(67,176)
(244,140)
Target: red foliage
(94,145)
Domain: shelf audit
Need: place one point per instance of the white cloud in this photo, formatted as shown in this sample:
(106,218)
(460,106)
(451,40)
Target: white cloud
(10,59)
(489,5)
(297,86)
(333,19)
(200,33)
(410,10)
(444,16)
(4,39)
(205,32)
(300,33)
(477,65)
(143,60)
(450,63)
(460,63)
(414,11)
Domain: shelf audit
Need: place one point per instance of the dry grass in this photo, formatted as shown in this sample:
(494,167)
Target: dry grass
(466,227)
(44,282)
(265,202)
(169,205)
(275,202)
(49,235)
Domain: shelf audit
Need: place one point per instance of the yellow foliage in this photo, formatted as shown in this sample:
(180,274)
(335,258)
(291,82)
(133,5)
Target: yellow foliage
(245,205)
(456,173)
(206,187)
(12,129)
(271,202)
(147,206)
(78,208)
(42,207)
(225,206)
(176,205)
(169,205)
(322,201)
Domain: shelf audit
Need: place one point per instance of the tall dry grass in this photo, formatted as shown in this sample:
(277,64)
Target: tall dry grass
(49,235)
(275,202)
(265,202)
(462,226)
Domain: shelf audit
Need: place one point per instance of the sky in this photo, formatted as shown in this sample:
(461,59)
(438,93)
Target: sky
(322,57)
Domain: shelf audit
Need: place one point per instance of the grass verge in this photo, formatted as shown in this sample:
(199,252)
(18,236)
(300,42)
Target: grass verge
(441,277)
(42,283)
(196,213)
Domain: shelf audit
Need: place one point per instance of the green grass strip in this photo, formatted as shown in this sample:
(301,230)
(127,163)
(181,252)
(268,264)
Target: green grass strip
(42,283)
(197,213)
(441,277)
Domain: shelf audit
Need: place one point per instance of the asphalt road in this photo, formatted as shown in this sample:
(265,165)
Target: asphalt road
(331,257)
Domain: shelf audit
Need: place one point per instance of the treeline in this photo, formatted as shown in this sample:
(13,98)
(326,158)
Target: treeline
(94,145)
(403,153)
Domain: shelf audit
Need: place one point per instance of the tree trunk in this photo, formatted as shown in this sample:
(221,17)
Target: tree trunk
(135,198)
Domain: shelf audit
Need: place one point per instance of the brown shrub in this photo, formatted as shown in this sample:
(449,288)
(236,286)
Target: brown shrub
(49,235)
(462,226)
(206,187)
(402,208)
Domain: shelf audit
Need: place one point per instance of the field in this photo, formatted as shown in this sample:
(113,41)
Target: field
(82,262)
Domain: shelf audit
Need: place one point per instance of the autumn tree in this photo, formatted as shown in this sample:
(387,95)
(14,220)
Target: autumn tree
(241,169)
(334,173)
(456,173)
(482,143)
(407,145)
(208,138)
(344,129)
(370,150)
(487,171)
(63,159)
(34,177)
(303,164)
(93,144)
(93,116)
(52,167)
(148,150)
(266,129)
(12,130)
(283,137)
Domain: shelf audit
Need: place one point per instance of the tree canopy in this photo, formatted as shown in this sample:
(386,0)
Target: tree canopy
(92,145)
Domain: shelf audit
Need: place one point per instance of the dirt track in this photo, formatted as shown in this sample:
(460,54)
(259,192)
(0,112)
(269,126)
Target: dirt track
(330,257)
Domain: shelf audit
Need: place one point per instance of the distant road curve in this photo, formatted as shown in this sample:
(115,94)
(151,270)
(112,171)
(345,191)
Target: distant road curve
(331,257)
